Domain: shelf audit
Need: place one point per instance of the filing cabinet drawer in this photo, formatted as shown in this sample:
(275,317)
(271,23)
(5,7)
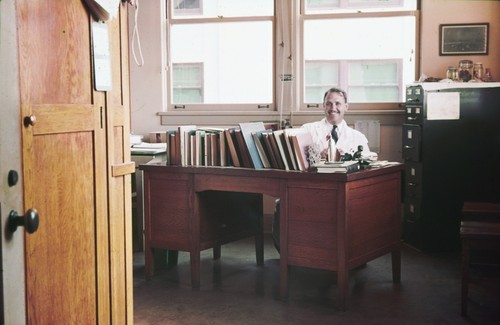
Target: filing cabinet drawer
(414,114)
(412,137)
(413,180)
(412,211)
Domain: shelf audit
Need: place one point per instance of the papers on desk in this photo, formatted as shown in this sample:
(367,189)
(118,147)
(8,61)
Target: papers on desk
(382,163)
(337,167)
(145,148)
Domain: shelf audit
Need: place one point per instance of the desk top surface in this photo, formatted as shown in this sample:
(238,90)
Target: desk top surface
(270,173)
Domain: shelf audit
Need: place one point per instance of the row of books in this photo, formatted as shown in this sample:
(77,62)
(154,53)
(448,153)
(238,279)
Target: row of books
(250,145)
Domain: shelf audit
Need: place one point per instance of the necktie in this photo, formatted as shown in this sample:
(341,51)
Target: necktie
(335,136)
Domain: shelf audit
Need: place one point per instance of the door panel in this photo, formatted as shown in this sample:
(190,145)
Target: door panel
(61,265)
(78,264)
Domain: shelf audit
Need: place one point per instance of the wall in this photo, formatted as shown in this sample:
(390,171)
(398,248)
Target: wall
(11,197)
(436,12)
(147,101)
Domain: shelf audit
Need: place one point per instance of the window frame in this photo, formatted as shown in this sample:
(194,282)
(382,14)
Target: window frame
(311,107)
(287,56)
(246,107)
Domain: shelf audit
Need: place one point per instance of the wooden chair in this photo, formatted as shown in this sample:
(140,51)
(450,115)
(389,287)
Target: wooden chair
(480,235)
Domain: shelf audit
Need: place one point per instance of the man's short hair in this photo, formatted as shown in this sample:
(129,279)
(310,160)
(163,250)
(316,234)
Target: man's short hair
(335,90)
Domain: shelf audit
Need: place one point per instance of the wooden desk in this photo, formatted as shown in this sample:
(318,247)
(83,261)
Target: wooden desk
(328,221)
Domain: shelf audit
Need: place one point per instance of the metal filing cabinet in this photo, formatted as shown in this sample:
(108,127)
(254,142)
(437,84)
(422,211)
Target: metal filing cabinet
(448,160)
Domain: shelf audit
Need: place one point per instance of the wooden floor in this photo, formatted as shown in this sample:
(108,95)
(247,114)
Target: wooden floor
(234,290)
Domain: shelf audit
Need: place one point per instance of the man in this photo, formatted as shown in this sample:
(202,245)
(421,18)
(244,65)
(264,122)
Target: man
(331,128)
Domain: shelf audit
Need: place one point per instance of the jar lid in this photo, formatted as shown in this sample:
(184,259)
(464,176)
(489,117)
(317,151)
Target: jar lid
(466,62)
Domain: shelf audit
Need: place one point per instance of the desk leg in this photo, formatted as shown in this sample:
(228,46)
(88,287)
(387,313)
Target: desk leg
(195,269)
(259,241)
(396,265)
(342,282)
(259,249)
(283,209)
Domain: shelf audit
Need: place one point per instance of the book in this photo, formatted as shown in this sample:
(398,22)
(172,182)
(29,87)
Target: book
(276,152)
(244,155)
(301,142)
(289,146)
(259,142)
(337,167)
(183,143)
(247,129)
(229,133)
(218,146)
(269,148)
(172,145)
(278,135)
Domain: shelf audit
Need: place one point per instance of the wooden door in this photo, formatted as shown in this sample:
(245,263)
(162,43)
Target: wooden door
(75,147)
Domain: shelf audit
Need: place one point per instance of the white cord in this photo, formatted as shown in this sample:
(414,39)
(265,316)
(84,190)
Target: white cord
(134,33)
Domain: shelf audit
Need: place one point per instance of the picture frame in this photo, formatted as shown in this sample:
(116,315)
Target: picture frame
(464,39)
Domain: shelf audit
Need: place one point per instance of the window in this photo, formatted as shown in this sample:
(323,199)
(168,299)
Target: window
(187,83)
(369,46)
(319,76)
(233,42)
(242,55)
(188,7)
(365,81)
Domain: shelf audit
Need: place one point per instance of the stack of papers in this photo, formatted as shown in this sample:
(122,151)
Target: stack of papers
(145,148)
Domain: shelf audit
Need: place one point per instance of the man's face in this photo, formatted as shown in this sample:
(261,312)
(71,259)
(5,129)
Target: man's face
(335,107)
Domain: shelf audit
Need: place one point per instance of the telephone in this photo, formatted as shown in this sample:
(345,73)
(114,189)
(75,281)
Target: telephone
(103,10)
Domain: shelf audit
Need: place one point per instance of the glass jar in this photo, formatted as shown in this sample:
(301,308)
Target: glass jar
(465,70)
(478,71)
(452,73)
(487,75)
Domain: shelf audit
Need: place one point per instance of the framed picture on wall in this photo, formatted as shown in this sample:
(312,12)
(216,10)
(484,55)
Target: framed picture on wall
(463,39)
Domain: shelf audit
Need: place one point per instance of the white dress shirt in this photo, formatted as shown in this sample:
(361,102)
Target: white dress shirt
(349,138)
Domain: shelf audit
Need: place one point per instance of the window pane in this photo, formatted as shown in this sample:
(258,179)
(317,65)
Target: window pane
(225,8)
(319,77)
(186,76)
(372,73)
(373,94)
(378,39)
(348,6)
(187,96)
(237,59)
(187,83)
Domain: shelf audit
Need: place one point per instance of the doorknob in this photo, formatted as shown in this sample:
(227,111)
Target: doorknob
(29,120)
(29,221)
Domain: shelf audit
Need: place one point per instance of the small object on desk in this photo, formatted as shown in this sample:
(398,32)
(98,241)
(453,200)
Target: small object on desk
(145,148)
(135,139)
(382,163)
(144,152)
(357,154)
(337,167)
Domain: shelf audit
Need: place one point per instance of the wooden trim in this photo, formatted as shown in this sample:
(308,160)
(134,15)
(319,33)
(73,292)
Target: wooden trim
(123,169)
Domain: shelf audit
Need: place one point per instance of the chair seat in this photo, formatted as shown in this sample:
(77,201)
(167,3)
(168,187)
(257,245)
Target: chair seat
(480,234)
